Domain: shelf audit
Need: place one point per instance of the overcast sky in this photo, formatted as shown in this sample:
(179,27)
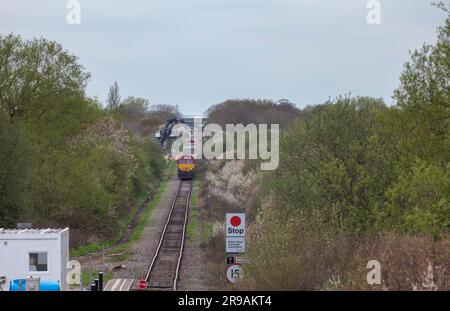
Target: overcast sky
(196,53)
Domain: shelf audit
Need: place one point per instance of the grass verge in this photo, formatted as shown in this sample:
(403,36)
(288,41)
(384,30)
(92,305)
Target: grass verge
(193,211)
(138,229)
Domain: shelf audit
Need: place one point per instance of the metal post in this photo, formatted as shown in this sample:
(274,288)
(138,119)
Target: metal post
(96,284)
(81,278)
(93,288)
(100,281)
(90,269)
(103,257)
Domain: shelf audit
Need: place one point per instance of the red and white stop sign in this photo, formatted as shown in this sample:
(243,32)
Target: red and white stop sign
(235,225)
(235,221)
(142,284)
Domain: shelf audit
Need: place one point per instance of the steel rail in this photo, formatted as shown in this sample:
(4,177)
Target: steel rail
(163,235)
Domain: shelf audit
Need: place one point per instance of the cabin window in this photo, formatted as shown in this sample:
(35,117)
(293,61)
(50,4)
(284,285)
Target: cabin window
(38,262)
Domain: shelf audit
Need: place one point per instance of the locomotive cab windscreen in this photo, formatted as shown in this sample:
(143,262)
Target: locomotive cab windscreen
(186,167)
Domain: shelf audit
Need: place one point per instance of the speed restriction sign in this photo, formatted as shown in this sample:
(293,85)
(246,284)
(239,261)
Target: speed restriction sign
(234,273)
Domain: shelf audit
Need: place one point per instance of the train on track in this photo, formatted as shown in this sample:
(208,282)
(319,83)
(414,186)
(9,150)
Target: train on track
(186,167)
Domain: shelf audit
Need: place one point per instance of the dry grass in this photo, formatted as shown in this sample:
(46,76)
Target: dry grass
(305,252)
(407,263)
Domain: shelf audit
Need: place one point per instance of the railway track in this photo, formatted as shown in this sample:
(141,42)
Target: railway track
(165,266)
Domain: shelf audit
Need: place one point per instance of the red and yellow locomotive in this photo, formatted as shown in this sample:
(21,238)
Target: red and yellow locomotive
(186,167)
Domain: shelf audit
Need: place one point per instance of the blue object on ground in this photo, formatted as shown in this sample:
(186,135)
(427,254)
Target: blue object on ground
(45,286)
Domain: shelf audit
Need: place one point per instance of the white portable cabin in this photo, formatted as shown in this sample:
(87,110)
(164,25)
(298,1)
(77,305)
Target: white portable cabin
(40,253)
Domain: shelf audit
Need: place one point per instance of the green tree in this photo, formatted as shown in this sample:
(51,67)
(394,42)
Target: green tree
(337,164)
(419,202)
(65,161)
(246,111)
(14,164)
(113,99)
(132,109)
(35,74)
(424,100)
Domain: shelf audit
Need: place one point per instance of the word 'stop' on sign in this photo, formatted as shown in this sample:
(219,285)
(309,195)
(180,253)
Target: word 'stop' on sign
(235,225)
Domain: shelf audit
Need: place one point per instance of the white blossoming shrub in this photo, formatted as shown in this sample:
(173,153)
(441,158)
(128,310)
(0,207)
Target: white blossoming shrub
(229,183)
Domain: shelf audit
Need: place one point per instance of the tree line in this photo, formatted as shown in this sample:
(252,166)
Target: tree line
(358,180)
(65,160)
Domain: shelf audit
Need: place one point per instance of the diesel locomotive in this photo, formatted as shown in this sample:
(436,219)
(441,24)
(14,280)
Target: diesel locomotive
(186,167)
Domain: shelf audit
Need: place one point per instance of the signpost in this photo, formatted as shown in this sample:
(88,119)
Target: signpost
(142,284)
(235,233)
(239,260)
(235,244)
(234,272)
(235,259)
(235,225)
